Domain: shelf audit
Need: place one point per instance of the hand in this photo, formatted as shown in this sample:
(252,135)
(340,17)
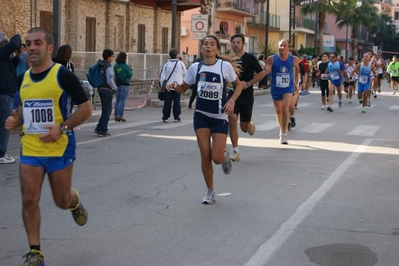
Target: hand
(228,108)
(12,122)
(53,134)
(171,85)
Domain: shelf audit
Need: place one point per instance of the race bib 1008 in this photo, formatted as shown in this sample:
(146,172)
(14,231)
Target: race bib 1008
(37,114)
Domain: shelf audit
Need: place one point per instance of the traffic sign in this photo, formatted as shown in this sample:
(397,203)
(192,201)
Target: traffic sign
(199,23)
(308,2)
(199,35)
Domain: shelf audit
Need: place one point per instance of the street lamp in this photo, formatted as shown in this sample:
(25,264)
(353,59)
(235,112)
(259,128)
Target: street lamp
(358,4)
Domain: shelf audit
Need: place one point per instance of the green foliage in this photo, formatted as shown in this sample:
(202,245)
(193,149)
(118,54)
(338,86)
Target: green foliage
(271,49)
(308,51)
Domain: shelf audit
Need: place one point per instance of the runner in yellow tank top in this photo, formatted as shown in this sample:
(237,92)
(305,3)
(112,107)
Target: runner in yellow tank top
(47,93)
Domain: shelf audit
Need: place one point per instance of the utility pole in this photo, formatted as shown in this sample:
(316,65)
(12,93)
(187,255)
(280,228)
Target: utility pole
(174,15)
(56,24)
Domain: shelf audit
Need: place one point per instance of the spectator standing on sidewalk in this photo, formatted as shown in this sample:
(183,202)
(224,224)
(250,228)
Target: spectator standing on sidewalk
(9,60)
(172,71)
(123,74)
(106,92)
(64,56)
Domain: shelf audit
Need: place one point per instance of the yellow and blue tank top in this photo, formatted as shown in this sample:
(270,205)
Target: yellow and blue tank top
(44,102)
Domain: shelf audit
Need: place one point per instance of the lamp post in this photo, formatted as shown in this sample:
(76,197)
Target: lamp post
(358,4)
(173,41)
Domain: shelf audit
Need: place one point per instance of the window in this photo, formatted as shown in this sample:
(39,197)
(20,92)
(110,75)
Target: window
(164,44)
(141,39)
(396,15)
(90,34)
(46,20)
(252,45)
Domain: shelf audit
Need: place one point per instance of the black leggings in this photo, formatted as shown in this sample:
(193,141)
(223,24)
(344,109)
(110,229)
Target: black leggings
(324,88)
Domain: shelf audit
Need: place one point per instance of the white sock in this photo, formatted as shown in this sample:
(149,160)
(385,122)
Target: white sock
(235,149)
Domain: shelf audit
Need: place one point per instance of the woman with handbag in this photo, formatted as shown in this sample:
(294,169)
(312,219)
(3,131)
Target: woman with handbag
(172,71)
(123,74)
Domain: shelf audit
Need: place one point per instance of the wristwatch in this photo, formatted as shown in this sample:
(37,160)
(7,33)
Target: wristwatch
(249,84)
(64,129)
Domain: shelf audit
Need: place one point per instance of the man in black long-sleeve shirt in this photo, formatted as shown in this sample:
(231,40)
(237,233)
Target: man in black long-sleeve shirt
(10,54)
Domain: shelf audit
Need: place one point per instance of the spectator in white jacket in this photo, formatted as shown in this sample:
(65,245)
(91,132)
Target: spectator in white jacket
(172,71)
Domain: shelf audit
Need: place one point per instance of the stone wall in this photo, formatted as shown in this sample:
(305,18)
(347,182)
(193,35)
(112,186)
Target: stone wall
(116,22)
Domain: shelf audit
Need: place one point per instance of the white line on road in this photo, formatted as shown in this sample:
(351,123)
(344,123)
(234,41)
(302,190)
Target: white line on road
(362,130)
(110,137)
(316,127)
(271,246)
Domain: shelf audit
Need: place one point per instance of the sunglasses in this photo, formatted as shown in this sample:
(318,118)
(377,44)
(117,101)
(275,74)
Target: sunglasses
(332,56)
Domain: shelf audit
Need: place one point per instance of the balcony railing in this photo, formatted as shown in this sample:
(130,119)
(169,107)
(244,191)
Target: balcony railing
(274,20)
(305,23)
(237,6)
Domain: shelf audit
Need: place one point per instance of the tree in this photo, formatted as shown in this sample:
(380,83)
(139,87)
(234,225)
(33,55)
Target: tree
(321,8)
(206,9)
(349,13)
(384,30)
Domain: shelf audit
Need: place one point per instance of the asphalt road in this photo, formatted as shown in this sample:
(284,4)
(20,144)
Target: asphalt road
(328,198)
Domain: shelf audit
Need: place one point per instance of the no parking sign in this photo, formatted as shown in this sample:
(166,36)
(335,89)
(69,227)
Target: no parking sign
(199,23)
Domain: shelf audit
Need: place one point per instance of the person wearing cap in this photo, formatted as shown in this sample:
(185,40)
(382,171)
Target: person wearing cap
(10,54)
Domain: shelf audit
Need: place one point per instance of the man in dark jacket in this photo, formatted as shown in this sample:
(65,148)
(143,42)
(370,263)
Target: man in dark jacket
(8,86)
(106,92)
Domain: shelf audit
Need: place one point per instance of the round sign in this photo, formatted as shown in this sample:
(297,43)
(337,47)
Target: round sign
(199,25)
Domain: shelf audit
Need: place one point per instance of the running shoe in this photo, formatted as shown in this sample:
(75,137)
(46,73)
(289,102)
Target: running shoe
(235,157)
(330,109)
(226,165)
(283,139)
(323,107)
(79,212)
(339,104)
(375,96)
(96,132)
(350,101)
(360,101)
(293,122)
(7,159)
(33,258)
(363,110)
(209,197)
(252,129)
(393,93)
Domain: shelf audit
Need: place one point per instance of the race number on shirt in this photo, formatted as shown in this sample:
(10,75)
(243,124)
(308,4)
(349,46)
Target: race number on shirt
(363,79)
(37,114)
(282,80)
(334,75)
(210,90)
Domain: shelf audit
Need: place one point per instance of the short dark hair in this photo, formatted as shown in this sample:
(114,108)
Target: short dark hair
(261,57)
(238,35)
(121,58)
(351,58)
(173,53)
(107,53)
(47,35)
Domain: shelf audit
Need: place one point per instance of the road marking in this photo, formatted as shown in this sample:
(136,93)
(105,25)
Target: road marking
(171,125)
(304,104)
(270,125)
(104,138)
(123,125)
(394,107)
(273,244)
(316,127)
(363,130)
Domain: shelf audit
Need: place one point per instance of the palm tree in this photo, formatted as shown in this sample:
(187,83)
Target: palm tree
(384,29)
(206,9)
(348,12)
(322,8)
